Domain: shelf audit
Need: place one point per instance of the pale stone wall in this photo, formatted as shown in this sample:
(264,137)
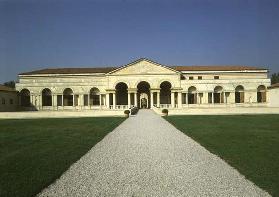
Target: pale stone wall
(152,73)
(274,97)
(8,101)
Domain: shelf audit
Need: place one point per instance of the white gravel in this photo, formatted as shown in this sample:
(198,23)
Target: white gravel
(147,156)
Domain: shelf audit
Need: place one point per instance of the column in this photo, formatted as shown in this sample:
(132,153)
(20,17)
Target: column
(136,99)
(179,99)
(54,101)
(186,98)
(107,100)
(81,101)
(205,97)
(100,99)
(74,100)
(151,100)
(158,99)
(39,101)
(172,99)
(114,100)
(129,100)
(212,97)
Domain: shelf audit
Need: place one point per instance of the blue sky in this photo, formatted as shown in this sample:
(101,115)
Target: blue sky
(37,34)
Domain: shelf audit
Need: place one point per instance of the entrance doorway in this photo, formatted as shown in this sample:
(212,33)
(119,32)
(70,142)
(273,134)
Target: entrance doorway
(143,95)
(144,101)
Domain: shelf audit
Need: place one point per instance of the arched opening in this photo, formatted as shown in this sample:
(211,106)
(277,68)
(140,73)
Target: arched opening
(239,94)
(68,97)
(94,96)
(121,94)
(192,95)
(25,98)
(261,94)
(143,94)
(218,94)
(165,92)
(46,97)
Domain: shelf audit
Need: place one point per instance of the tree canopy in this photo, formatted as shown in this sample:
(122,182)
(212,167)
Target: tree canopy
(275,78)
(10,84)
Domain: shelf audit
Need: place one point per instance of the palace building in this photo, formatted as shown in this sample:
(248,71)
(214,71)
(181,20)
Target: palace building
(145,84)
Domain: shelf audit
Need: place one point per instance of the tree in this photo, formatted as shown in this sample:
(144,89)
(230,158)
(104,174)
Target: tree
(10,84)
(275,78)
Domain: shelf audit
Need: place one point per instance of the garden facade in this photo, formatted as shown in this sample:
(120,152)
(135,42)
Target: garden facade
(145,84)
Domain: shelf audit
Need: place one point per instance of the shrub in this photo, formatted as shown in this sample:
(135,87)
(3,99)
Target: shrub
(134,110)
(127,112)
(165,111)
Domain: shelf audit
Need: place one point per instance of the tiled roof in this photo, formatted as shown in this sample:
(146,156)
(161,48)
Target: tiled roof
(6,89)
(70,71)
(215,68)
(109,69)
(276,85)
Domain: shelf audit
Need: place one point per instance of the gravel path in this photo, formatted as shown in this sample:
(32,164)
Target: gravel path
(147,156)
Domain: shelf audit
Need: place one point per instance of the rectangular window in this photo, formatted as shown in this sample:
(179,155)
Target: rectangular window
(85,98)
(191,78)
(3,101)
(59,100)
(209,97)
(183,98)
(216,77)
(11,101)
(199,77)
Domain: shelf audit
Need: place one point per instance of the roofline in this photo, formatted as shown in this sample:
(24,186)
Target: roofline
(143,59)
(66,74)
(224,71)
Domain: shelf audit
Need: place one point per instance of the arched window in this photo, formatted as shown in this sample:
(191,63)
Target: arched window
(192,95)
(94,96)
(239,94)
(46,97)
(25,98)
(261,94)
(165,92)
(68,97)
(218,94)
(121,94)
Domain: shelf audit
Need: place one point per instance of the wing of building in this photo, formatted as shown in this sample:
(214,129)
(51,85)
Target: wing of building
(143,83)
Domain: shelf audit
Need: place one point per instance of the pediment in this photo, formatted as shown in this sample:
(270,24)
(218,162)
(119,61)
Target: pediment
(143,66)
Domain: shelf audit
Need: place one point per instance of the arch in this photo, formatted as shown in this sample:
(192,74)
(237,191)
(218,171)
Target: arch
(121,93)
(68,97)
(192,95)
(141,81)
(218,89)
(94,96)
(261,94)
(164,80)
(25,98)
(143,94)
(165,92)
(192,89)
(46,97)
(119,82)
(218,94)
(239,94)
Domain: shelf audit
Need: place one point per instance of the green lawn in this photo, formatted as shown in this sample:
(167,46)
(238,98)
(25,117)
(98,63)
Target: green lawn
(33,153)
(250,143)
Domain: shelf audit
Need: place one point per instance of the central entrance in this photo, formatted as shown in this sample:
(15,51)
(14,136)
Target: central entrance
(143,95)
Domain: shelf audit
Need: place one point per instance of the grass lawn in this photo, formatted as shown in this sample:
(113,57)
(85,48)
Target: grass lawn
(250,143)
(35,152)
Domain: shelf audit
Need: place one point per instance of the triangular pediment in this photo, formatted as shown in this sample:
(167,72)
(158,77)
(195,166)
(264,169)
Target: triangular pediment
(143,66)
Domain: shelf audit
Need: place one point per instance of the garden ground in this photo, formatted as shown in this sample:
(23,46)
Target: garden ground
(250,143)
(35,152)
